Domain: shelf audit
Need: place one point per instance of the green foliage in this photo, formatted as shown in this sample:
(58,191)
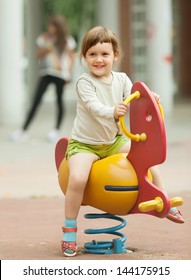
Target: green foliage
(80,14)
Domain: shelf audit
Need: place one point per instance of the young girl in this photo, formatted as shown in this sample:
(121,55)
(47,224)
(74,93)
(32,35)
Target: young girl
(95,135)
(56,58)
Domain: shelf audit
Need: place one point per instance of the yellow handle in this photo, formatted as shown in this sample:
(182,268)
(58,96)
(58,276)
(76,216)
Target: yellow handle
(176,201)
(135,137)
(155,204)
(161,111)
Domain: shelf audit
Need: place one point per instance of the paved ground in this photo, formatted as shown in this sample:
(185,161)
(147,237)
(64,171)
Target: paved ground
(31,229)
(31,203)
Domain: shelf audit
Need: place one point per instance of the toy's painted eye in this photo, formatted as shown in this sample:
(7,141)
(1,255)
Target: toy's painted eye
(149,116)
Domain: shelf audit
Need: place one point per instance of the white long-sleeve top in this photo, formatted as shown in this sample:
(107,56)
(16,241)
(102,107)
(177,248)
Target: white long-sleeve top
(95,123)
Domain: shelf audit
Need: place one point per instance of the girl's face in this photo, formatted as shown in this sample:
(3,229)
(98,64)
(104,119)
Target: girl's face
(100,59)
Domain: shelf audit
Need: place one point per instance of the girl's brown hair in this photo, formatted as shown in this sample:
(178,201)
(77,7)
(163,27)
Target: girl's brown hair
(61,31)
(99,34)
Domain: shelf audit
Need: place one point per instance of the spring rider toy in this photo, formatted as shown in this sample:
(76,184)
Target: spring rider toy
(121,184)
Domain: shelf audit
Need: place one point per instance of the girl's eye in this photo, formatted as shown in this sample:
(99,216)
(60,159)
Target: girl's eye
(105,54)
(92,54)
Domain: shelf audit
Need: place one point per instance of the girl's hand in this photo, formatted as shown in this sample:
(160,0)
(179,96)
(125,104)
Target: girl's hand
(156,96)
(120,110)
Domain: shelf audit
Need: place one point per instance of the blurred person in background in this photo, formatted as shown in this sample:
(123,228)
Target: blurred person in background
(56,59)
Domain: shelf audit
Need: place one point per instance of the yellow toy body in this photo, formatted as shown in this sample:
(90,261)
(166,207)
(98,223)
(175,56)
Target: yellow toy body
(112,186)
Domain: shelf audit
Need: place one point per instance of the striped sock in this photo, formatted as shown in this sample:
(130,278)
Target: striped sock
(70,236)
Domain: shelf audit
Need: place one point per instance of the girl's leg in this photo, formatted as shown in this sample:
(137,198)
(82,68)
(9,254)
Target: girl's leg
(157,181)
(41,88)
(53,135)
(60,105)
(79,168)
(125,148)
(174,214)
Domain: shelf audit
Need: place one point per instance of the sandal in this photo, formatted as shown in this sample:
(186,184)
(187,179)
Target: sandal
(175,216)
(69,248)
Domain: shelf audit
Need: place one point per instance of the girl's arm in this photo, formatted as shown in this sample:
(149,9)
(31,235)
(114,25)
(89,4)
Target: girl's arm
(43,46)
(120,110)
(42,52)
(87,94)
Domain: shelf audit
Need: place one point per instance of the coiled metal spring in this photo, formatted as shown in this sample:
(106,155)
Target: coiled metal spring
(115,246)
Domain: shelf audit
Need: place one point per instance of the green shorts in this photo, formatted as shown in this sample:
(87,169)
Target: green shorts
(102,151)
